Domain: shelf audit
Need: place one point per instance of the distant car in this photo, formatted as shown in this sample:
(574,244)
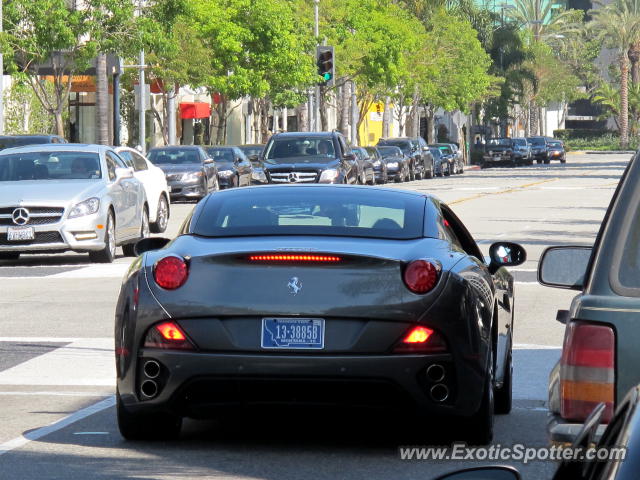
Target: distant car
(316,295)
(367,174)
(600,352)
(538,148)
(522,151)
(448,154)
(253,153)
(234,168)
(398,168)
(9,141)
(60,197)
(155,187)
(499,151)
(418,153)
(379,165)
(555,151)
(190,171)
(443,164)
(309,157)
(459,159)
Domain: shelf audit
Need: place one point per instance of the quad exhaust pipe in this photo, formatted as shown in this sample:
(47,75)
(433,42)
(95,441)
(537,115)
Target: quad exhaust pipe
(436,373)
(439,393)
(149,388)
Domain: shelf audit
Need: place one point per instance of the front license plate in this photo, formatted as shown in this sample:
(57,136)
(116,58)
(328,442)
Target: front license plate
(17,234)
(298,333)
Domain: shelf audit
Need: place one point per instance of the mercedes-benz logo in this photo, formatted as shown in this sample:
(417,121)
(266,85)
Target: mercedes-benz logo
(20,216)
(293,177)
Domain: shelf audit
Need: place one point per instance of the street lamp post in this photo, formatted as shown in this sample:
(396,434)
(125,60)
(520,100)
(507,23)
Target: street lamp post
(1,81)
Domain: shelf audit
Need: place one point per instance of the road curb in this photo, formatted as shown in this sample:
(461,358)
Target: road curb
(472,167)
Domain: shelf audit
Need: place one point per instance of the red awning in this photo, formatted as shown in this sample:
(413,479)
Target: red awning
(195,110)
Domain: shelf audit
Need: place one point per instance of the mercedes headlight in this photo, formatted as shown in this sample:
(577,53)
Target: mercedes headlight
(329,175)
(225,173)
(88,207)
(258,175)
(191,176)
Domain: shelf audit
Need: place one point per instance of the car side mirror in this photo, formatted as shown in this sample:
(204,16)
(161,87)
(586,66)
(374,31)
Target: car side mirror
(253,158)
(506,254)
(208,161)
(124,173)
(564,267)
(150,243)
(483,473)
(350,157)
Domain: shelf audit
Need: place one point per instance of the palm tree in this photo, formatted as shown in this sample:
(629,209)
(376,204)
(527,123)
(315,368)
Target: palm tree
(102,101)
(618,23)
(539,17)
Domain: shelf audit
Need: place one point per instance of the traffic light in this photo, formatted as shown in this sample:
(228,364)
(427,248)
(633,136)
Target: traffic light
(324,61)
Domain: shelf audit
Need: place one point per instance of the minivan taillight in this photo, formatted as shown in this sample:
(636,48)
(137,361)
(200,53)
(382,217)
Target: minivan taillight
(587,370)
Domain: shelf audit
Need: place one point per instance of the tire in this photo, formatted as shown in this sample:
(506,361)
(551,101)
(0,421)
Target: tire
(503,396)
(447,172)
(108,253)
(479,427)
(147,427)
(412,173)
(420,175)
(162,216)
(461,169)
(538,161)
(563,161)
(547,162)
(9,255)
(431,172)
(129,248)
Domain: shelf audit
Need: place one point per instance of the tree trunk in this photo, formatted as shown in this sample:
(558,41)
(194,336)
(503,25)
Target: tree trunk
(345,102)
(59,123)
(430,120)
(634,58)
(624,101)
(533,119)
(386,118)
(102,101)
(301,112)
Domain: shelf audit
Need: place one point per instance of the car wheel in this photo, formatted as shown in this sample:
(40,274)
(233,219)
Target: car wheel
(9,255)
(503,395)
(129,248)
(547,162)
(162,216)
(108,253)
(146,427)
(479,427)
(447,172)
(538,161)
(563,161)
(461,169)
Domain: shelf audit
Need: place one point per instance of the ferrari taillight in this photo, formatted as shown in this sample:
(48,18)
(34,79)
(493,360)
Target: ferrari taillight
(167,335)
(171,272)
(421,339)
(587,370)
(420,276)
(295,258)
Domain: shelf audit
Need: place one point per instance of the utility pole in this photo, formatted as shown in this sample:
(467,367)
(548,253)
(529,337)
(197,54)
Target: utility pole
(316,31)
(2,81)
(354,115)
(171,115)
(143,108)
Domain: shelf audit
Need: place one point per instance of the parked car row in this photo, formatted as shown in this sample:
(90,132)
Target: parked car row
(514,152)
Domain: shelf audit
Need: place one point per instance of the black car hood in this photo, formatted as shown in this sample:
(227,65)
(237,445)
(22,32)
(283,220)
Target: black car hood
(180,168)
(301,163)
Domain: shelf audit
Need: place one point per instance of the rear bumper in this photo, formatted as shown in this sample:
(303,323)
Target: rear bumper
(562,432)
(202,384)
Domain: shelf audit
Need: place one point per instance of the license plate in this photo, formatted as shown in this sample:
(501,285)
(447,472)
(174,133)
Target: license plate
(17,234)
(288,333)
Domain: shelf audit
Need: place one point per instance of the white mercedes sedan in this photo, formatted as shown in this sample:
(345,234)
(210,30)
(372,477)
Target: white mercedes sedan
(155,186)
(61,197)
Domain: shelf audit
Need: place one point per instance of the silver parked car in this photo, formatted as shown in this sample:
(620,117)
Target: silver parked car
(55,198)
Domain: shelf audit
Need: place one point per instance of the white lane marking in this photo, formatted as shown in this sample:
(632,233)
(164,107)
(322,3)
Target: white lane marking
(51,394)
(527,283)
(533,346)
(86,362)
(115,270)
(91,433)
(39,339)
(22,440)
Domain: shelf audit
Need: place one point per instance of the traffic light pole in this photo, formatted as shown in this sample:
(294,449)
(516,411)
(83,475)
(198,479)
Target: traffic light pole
(316,31)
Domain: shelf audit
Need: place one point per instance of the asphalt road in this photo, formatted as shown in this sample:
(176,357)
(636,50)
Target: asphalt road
(56,354)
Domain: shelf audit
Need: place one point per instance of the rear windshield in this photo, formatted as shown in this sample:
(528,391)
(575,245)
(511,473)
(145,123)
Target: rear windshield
(312,211)
(503,142)
(536,141)
(49,166)
(173,156)
(555,144)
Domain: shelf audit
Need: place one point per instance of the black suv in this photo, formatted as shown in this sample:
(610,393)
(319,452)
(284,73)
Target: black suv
(309,157)
(421,160)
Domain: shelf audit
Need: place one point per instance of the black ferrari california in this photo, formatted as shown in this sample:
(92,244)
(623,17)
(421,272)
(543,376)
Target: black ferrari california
(311,296)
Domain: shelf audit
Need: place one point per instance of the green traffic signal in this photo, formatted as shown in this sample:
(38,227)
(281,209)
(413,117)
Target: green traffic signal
(326,76)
